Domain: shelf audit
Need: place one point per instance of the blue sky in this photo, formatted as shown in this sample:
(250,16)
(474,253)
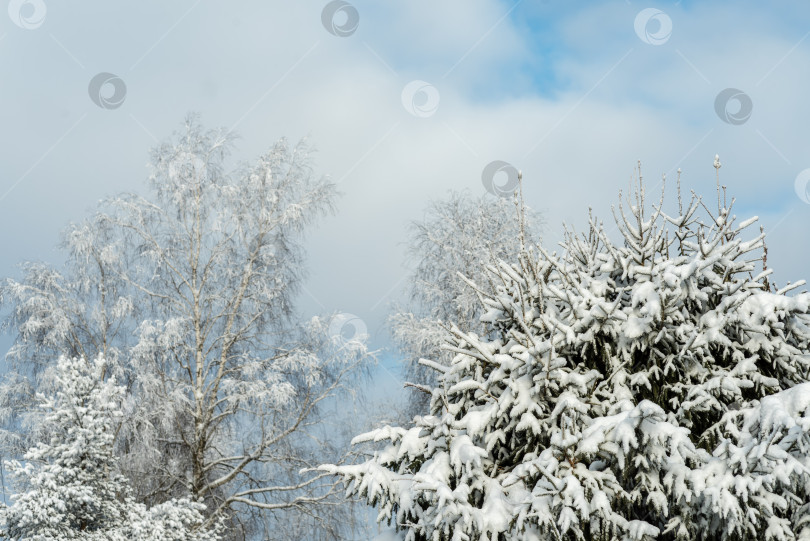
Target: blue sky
(568,92)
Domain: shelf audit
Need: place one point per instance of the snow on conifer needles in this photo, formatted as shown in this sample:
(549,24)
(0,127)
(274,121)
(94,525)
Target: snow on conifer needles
(71,488)
(652,389)
(455,234)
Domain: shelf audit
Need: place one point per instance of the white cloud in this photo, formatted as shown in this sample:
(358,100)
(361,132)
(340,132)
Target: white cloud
(616,100)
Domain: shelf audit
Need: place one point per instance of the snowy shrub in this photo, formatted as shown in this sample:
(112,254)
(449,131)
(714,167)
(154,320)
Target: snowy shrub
(71,488)
(654,388)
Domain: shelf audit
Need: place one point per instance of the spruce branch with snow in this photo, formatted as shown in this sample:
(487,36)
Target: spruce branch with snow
(456,235)
(655,388)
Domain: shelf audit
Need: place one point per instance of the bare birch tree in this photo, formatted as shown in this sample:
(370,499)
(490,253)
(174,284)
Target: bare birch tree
(188,294)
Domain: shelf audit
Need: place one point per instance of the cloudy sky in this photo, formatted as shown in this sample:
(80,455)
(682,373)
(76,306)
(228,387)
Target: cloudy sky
(406,100)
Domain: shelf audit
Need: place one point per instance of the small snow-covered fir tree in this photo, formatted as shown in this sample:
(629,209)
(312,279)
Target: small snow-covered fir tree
(70,485)
(650,389)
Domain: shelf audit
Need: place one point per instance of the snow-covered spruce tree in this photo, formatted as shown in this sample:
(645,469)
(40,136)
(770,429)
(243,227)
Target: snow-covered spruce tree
(650,389)
(188,292)
(454,236)
(71,488)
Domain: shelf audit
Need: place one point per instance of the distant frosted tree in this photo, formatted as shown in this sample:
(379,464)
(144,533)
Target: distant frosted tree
(71,488)
(652,389)
(188,293)
(455,237)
